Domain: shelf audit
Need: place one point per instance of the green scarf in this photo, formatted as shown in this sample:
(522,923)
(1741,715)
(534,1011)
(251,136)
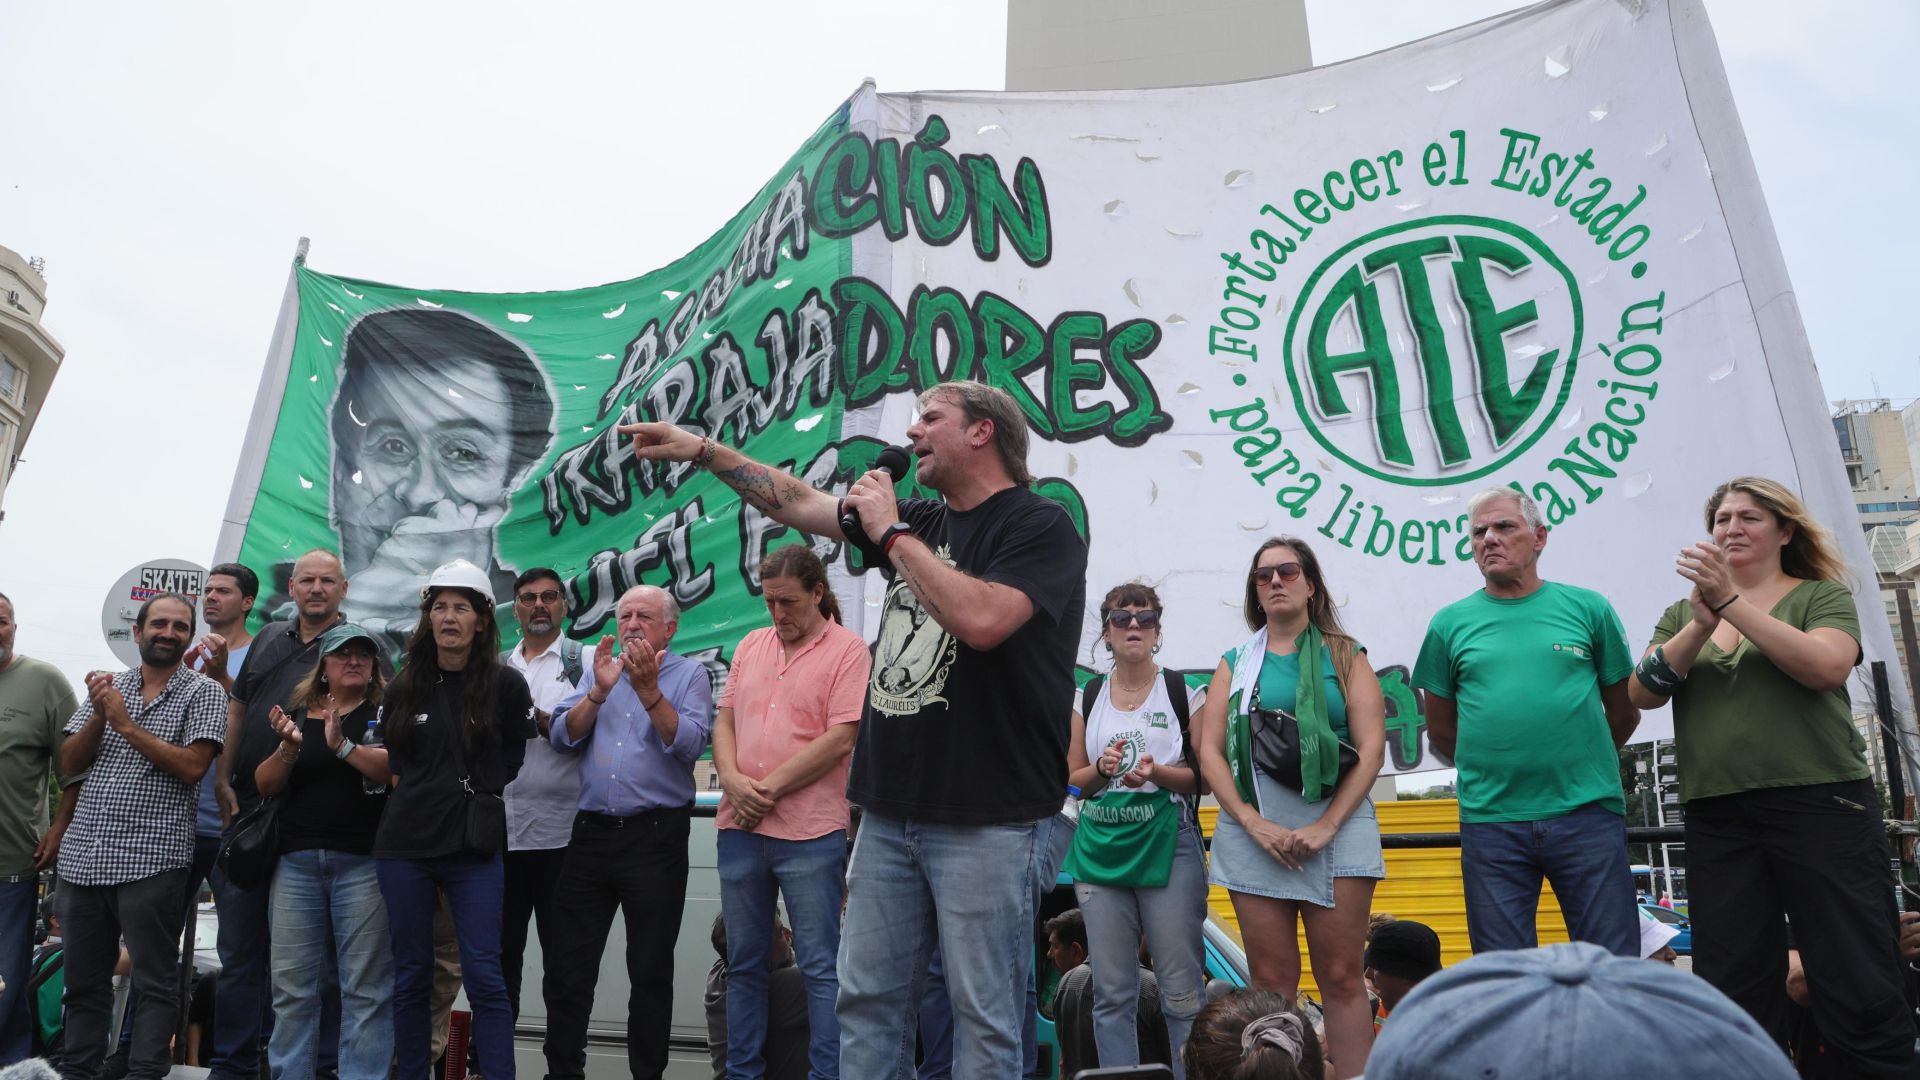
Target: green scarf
(1319,747)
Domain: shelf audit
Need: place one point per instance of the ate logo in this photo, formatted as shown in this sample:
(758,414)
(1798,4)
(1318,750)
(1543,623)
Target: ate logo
(1434,351)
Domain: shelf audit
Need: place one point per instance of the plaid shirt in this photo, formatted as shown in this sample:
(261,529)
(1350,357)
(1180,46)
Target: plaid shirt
(135,819)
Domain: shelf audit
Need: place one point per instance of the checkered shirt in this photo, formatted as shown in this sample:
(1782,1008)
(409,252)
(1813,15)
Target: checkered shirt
(135,819)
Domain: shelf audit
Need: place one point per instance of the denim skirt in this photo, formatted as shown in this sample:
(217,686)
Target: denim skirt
(1240,864)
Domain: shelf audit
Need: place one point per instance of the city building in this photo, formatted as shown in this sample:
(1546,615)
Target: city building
(29,358)
(1877,443)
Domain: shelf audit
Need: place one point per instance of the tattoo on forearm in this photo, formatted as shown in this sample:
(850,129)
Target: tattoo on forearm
(754,482)
(919,589)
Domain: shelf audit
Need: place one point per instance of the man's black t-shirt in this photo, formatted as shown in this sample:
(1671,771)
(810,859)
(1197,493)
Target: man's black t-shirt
(328,803)
(426,811)
(277,660)
(956,736)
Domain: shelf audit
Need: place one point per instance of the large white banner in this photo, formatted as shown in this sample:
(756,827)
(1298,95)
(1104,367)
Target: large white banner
(1531,251)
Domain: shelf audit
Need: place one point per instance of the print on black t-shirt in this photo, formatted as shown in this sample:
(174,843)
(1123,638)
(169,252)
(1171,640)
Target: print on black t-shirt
(958,736)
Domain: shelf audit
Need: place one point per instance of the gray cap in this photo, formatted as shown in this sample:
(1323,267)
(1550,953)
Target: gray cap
(1570,1012)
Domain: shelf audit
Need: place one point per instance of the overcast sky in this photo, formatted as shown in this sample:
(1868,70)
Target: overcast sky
(164,159)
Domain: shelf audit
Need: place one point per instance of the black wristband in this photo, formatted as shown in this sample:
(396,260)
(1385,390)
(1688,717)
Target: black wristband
(596,700)
(1724,603)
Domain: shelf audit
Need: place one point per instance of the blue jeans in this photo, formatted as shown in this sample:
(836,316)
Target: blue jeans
(908,882)
(327,906)
(936,1022)
(474,888)
(242,1004)
(1171,916)
(1583,854)
(17,907)
(810,874)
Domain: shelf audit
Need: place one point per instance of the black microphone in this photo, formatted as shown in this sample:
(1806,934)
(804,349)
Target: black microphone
(893,461)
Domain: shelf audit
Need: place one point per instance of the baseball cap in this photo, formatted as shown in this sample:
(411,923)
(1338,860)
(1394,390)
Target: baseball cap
(336,639)
(1404,948)
(1570,1012)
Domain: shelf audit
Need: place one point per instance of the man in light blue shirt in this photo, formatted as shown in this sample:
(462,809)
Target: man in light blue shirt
(638,720)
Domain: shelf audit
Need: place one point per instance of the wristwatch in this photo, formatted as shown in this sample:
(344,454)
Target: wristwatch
(894,532)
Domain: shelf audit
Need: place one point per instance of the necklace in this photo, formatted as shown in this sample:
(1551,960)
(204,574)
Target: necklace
(1125,689)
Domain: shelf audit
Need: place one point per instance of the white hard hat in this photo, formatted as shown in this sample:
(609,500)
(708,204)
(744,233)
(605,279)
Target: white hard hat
(460,574)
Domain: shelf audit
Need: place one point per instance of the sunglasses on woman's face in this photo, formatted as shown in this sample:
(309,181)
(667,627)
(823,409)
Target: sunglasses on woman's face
(1145,620)
(1287,571)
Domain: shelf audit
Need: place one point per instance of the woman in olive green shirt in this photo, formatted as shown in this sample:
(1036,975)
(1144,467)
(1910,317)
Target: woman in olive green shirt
(1782,821)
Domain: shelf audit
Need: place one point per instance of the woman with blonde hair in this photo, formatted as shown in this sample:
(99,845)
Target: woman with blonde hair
(1292,734)
(330,775)
(1782,820)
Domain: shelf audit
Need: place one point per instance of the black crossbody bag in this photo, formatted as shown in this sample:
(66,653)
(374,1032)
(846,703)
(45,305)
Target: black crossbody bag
(1276,745)
(484,831)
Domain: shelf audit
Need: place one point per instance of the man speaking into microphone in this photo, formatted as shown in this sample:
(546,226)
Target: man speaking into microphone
(962,747)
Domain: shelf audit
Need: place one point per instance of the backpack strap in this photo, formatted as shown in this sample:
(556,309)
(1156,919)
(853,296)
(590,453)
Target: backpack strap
(1090,692)
(1177,697)
(570,660)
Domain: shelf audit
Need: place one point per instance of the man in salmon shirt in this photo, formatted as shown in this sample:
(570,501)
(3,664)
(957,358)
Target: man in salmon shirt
(782,735)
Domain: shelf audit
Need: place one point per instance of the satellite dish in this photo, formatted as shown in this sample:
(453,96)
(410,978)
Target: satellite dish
(136,587)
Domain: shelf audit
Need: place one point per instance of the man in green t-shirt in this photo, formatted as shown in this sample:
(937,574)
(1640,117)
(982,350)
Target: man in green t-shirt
(35,703)
(1526,690)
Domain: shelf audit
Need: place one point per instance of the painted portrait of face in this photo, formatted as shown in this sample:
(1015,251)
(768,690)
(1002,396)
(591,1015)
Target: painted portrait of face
(438,420)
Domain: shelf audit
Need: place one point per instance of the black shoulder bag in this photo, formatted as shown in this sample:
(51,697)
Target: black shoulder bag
(1276,745)
(484,831)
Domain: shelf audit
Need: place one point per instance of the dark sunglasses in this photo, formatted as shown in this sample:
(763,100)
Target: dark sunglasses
(548,597)
(1145,620)
(1287,571)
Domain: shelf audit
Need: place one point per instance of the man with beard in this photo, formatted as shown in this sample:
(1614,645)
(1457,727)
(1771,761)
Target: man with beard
(225,603)
(145,737)
(542,800)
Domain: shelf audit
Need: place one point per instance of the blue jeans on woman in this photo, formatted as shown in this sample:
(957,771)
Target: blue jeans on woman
(1171,916)
(475,887)
(811,874)
(327,905)
(906,879)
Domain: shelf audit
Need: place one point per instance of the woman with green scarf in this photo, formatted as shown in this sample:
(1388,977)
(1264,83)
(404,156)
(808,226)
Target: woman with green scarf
(1290,760)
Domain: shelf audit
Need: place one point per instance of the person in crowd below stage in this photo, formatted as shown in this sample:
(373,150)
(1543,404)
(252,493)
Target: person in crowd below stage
(277,659)
(1292,734)
(543,799)
(225,601)
(1251,1034)
(638,721)
(1655,939)
(332,784)
(35,703)
(1526,691)
(783,1047)
(1136,859)
(1074,1007)
(1782,818)
(455,727)
(974,664)
(1572,1009)
(781,736)
(144,738)
(1400,955)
